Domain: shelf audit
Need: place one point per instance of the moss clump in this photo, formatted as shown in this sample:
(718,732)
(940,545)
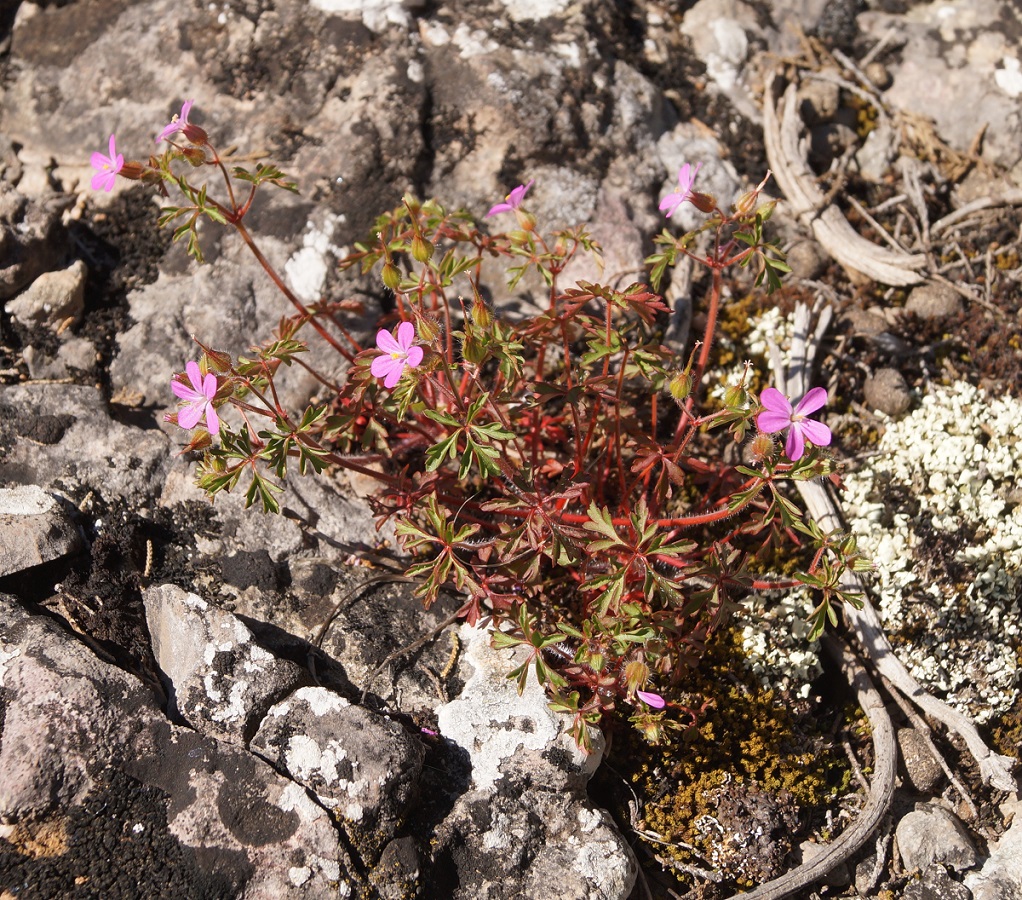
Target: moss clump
(736,789)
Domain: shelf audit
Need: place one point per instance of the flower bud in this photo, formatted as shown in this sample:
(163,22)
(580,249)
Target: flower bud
(705,203)
(481,314)
(132,170)
(195,134)
(526,220)
(736,397)
(195,155)
(680,386)
(421,248)
(391,276)
(636,673)
(762,447)
(427,330)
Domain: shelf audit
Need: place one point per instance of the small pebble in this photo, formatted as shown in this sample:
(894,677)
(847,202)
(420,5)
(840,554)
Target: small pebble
(934,301)
(887,391)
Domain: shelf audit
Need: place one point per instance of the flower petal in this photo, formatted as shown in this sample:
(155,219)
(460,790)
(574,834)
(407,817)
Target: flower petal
(498,208)
(184,391)
(386,342)
(770,421)
(113,148)
(812,401)
(382,365)
(194,375)
(394,376)
(670,204)
(651,699)
(185,110)
(209,386)
(212,419)
(414,357)
(405,335)
(817,432)
(795,445)
(188,417)
(773,400)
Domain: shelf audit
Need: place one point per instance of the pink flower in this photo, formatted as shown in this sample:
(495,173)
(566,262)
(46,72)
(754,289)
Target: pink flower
(106,168)
(178,123)
(198,398)
(513,200)
(397,354)
(777,415)
(686,178)
(651,699)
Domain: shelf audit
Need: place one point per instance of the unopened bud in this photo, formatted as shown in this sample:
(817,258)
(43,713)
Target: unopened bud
(481,314)
(132,170)
(421,248)
(762,447)
(705,203)
(745,204)
(736,397)
(680,386)
(391,276)
(427,330)
(195,155)
(636,674)
(526,220)
(195,134)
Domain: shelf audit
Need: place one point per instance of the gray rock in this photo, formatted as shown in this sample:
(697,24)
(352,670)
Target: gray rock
(361,765)
(934,300)
(1000,875)
(952,62)
(52,299)
(819,100)
(807,259)
(886,390)
(32,240)
(218,679)
(931,834)
(63,433)
(506,733)
(533,843)
(34,529)
(864,322)
(936,884)
(74,726)
(923,771)
(74,353)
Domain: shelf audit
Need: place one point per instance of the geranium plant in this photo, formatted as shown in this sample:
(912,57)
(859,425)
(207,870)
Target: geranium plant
(559,471)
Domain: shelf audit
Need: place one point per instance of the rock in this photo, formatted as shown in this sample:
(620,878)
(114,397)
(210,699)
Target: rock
(52,299)
(807,260)
(74,353)
(86,749)
(934,300)
(864,322)
(1000,875)
(819,100)
(34,529)
(362,766)
(922,770)
(936,884)
(218,679)
(930,834)
(31,238)
(887,391)
(62,432)
(397,874)
(505,732)
(532,843)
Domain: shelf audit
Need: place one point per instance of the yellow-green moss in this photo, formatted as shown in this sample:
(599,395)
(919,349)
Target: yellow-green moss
(743,735)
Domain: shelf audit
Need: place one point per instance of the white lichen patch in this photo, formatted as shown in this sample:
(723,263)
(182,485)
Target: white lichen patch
(305,759)
(935,510)
(768,327)
(775,639)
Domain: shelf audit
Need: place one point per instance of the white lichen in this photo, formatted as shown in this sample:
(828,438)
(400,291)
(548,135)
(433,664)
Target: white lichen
(933,509)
